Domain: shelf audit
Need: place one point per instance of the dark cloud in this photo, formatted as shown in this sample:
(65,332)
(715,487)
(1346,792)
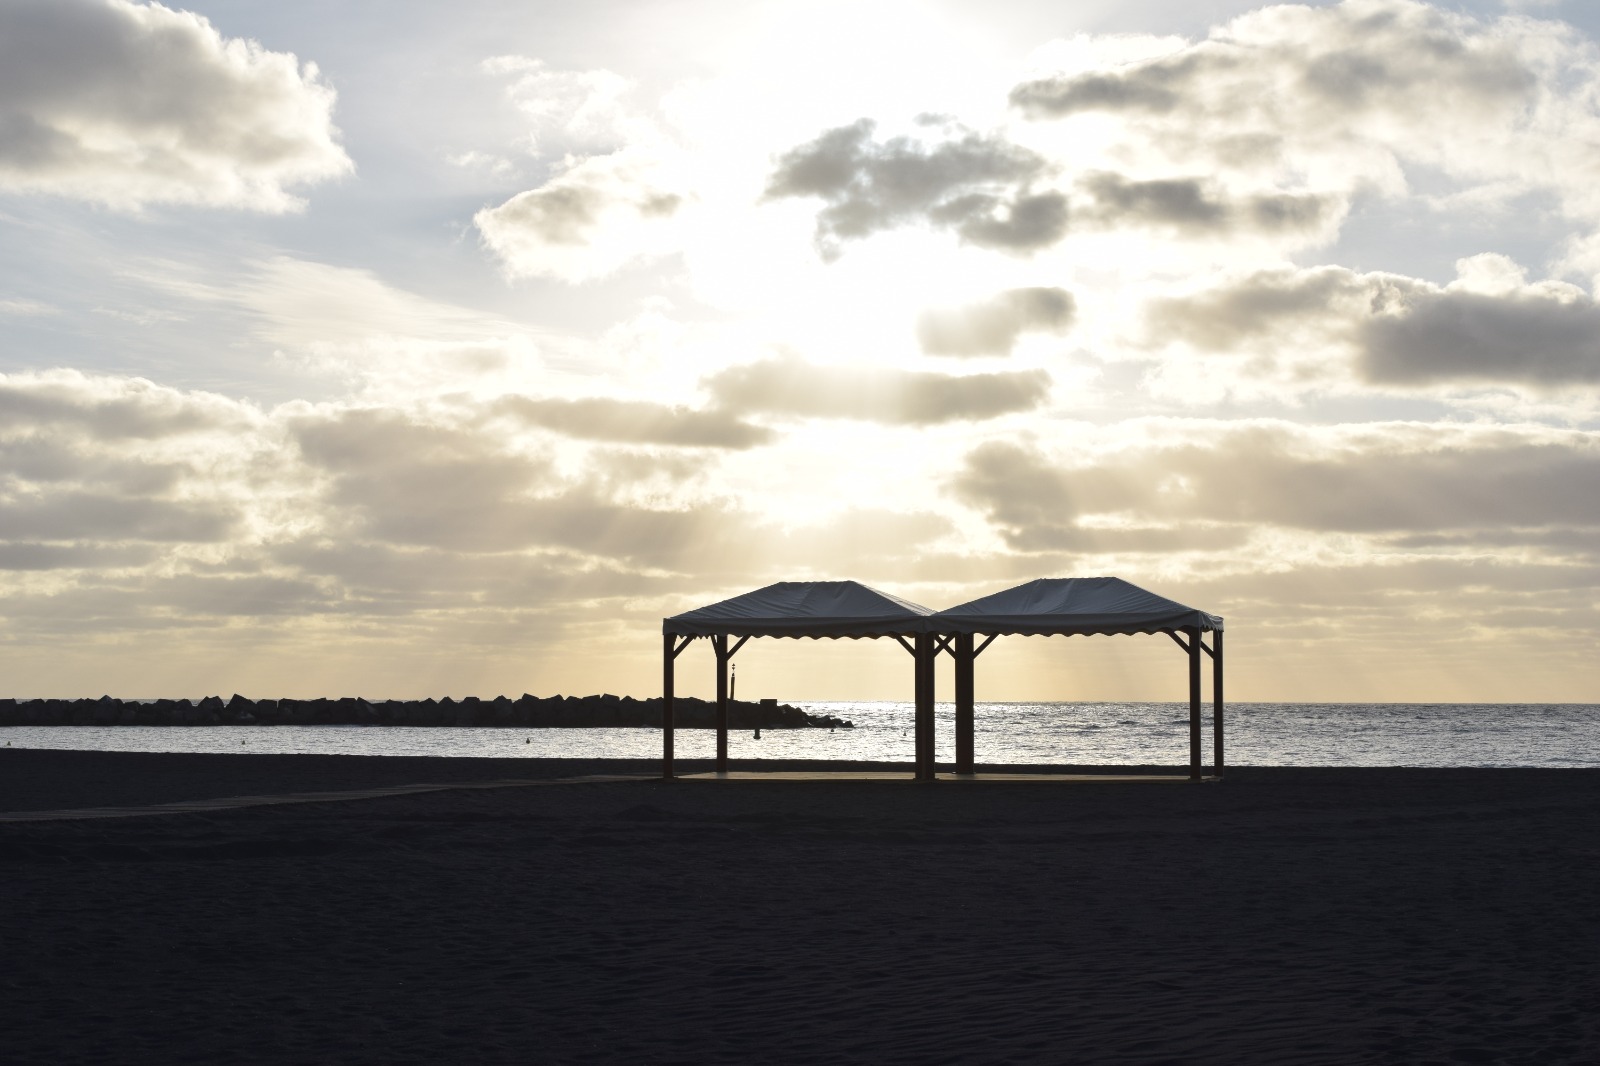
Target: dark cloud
(1183,202)
(1385,480)
(636,422)
(1450,337)
(1264,304)
(133,103)
(80,515)
(1156,86)
(1192,205)
(1565,540)
(976,185)
(1399,331)
(241,596)
(412,482)
(25,555)
(895,397)
(993,326)
(1268,308)
(50,461)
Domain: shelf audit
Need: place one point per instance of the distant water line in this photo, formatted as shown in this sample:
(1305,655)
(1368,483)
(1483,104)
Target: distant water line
(1111,734)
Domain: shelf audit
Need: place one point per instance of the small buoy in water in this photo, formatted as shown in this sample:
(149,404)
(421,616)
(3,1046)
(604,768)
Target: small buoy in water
(528,741)
(758,732)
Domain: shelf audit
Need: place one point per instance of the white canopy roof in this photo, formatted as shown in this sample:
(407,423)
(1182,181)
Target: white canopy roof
(804,609)
(1068,605)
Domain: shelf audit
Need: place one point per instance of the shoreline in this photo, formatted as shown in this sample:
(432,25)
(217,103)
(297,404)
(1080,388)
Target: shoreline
(68,778)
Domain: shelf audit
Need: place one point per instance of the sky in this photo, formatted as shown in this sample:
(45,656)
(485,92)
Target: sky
(404,349)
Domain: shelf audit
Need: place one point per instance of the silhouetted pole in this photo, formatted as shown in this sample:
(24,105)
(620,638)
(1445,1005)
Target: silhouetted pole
(1194,704)
(924,701)
(964,703)
(1216,700)
(916,704)
(667,647)
(719,645)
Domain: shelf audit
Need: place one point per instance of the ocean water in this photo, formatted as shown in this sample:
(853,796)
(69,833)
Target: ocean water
(1258,734)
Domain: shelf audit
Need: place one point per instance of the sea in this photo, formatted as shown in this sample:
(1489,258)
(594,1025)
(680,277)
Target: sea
(1106,734)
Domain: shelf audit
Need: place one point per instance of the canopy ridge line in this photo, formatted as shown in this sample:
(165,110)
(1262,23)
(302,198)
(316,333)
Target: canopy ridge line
(904,643)
(1184,644)
(988,641)
(679,649)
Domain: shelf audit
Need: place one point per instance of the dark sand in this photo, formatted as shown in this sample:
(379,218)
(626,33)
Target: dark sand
(1282,916)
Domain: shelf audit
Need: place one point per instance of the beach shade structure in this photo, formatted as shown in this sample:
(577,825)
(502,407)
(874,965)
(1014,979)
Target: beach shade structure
(1080,606)
(817,609)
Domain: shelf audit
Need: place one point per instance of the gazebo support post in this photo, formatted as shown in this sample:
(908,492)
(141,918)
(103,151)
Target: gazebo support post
(1216,702)
(719,645)
(924,704)
(1194,702)
(668,653)
(964,657)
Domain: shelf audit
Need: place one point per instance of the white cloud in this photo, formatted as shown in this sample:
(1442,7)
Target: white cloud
(1342,99)
(582,106)
(21,307)
(130,104)
(350,325)
(596,216)
(616,194)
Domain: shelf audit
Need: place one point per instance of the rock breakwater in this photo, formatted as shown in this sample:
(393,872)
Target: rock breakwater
(525,711)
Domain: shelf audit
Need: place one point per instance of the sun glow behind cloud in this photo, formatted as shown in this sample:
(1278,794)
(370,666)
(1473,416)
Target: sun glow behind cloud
(862,294)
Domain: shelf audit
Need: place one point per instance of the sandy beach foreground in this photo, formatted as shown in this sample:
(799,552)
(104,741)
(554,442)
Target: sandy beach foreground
(1284,915)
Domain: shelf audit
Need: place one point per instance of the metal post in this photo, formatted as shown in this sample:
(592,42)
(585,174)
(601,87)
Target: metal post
(719,644)
(1216,702)
(965,662)
(916,703)
(667,642)
(1194,704)
(924,701)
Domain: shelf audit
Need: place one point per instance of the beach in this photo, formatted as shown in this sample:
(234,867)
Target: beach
(1337,915)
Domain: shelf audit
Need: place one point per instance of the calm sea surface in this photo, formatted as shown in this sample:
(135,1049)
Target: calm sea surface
(1258,734)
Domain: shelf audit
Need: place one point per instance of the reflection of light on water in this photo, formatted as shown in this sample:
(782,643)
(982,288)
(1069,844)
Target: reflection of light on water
(1261,734)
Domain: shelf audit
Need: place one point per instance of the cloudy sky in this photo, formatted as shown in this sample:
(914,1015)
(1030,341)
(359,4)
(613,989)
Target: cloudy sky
(407,348)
